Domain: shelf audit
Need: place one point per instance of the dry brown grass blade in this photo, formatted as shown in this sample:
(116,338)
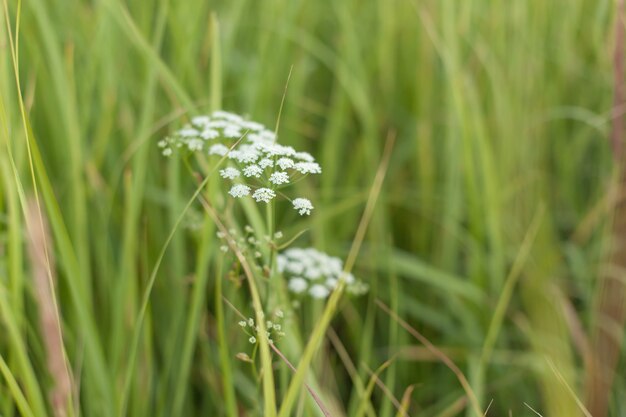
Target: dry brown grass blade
(439,354)
(396,403)
(41,261)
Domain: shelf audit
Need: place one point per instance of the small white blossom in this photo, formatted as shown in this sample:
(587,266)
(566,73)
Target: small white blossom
(245,156)
(251,125)
(195,145)
(201,120)
(252,340)
(263,195)
(209,134)
(243,323)
(319,291)
(230,173)
(348,278)
(224,248)
(251,322)
(279,178)
(308,167)
(297,285)
(188,132)
(252,171)
(218,149)
(167,152)
(305,156)
(316,271)
(239,190)
(303,206)
(266,163)
(279,313)
(232,132)
(285,163)
(296,268)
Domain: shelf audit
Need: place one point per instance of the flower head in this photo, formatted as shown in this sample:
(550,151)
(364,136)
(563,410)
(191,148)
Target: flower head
(230,173)
(279,178)
(264,195)
(256,159)
(239,190)
(303,206)
(315,273)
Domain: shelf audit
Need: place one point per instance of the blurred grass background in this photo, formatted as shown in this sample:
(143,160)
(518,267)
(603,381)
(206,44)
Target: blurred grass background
(489,236)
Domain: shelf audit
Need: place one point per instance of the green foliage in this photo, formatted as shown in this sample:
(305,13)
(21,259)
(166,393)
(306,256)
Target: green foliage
(488,233)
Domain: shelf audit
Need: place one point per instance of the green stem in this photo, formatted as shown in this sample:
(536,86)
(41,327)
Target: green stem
(227,379)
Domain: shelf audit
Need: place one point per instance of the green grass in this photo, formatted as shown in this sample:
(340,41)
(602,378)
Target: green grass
(486,228)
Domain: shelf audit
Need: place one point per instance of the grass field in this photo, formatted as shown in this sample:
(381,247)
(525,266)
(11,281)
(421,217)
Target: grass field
(488,238)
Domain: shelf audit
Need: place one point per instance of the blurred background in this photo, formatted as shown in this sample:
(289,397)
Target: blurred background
(492,235)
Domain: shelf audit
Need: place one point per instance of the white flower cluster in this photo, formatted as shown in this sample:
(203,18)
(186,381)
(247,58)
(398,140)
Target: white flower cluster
(315,273)
(259,164)
(273,329)
(206,134)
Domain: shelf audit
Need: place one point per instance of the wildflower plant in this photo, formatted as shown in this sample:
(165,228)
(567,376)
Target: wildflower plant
(258,166)
(251,165)
(316,274)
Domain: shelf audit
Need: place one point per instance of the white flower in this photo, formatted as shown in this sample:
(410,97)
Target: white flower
(313,273)
(348,278)
(167,152)
(279,178)
(252,339)
(297,285)
(251,125)
(331,282)
(322,272)
(266,163)
(252,171)
(245,156)
(263,195)
(218,149)
(232,132)
(243,323)
(304,156)
(230,173)
(239,190)
(272,149)
(188,132)
(319,291)
(209,134)
(201,120)
(295,268)
(308,167)
(303,206)
(285,163)
(195,145)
